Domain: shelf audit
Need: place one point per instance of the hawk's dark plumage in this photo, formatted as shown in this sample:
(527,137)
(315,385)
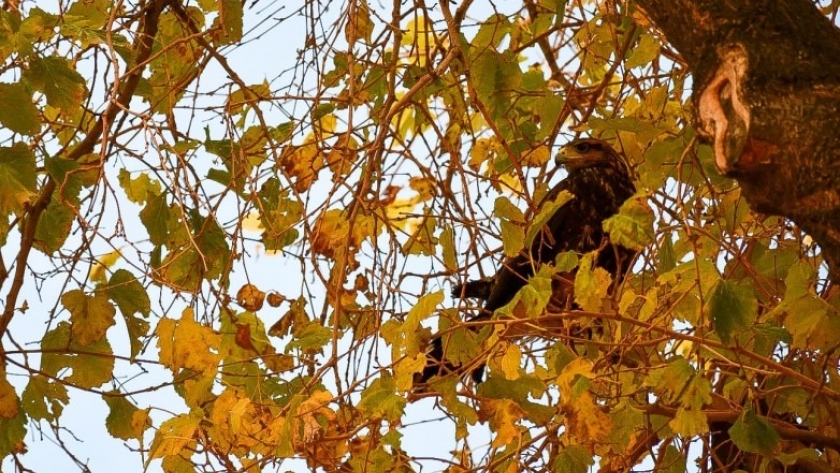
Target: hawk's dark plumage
(600,182)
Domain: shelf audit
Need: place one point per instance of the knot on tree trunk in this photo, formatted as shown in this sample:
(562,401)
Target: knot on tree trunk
(724,117)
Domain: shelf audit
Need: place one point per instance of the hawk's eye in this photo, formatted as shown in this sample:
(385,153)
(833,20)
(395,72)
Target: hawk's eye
(582,147)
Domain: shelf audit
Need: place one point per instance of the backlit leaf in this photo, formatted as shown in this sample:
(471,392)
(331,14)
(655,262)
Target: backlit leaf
(43,398)
(90,316)
(125,421)
(379,400)
(591,284)
(753,434)
(17,177)
(732,307)
(63,86)
(138,188)
(173,436)
(17,112)
(131,298)
(632,226)
(9,402)
(90,365)
(185,343)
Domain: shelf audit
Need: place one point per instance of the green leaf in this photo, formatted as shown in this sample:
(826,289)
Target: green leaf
(12,433)
(54,76)
(379,400)
(565,261)
(753,434)
(124,420)
(155,217)
(689,422)
(813,323)
(17,112)
(127,292)
(279,213)
(138,189)
(230,18)
(646,51)
(632,226)
(732,308)
(310,337)
(447,243)
(533,297)
(513,234)
(671,460)
(90,317)
(573,459)
(548,109)
(495,77)
(491,32)
(503,208)
(513,238)
(17,177)
(53,227)
(66,173)
(40,391)
(667,259)
(678,382)
(91,365)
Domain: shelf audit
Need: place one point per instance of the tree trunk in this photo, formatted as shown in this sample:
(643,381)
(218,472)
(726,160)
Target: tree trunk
(767,96)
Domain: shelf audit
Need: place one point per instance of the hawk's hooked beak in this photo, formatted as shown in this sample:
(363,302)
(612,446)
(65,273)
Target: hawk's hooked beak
(573,155)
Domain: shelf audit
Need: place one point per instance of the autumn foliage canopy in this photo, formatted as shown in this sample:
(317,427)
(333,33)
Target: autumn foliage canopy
(238,259)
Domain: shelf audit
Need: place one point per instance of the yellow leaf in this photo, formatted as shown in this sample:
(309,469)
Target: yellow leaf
(221,416)
(310,410)
(326,124)
(689,422)
(425,186)
(173,436)
(399,213)
(188,344)
(343,155)
(591,284)
(331,230)
(482,152)
(447,243)
(504,416)
(511,361)
(359,26)
(252,222)
(97,270)
(9,402)
(586,422)
(90,316)
(302,163)
(536,157)
(405,370)
(140,421)
(578,366)
(237,413)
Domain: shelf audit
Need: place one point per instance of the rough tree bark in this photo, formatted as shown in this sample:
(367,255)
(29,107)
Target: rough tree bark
(767,96)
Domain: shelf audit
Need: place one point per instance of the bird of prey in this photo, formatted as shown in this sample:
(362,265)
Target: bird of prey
(600,182)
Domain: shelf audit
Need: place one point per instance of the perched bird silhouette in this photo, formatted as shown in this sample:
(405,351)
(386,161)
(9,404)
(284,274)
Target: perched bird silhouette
(599,181)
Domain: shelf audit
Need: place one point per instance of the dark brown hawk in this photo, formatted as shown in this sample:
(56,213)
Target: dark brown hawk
(599,181)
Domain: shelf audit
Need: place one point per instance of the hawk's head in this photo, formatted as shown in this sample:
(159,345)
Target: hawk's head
(590,153)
